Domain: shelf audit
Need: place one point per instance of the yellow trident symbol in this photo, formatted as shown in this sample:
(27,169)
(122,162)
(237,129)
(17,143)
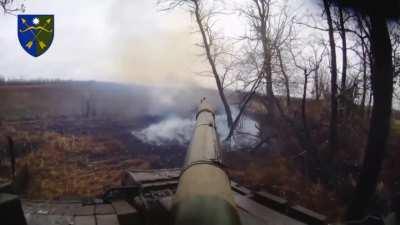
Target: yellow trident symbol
(42,45)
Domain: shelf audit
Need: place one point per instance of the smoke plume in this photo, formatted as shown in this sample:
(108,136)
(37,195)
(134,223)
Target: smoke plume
(179,130)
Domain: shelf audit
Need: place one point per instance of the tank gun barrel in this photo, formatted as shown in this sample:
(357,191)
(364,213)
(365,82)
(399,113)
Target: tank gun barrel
(204,193)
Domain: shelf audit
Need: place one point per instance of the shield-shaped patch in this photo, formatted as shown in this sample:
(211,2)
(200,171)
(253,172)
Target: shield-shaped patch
(35,33)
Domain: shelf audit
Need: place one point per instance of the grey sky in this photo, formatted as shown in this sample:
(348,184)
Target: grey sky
(113,40)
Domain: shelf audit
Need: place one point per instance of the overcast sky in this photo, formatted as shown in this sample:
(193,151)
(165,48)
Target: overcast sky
(111,40)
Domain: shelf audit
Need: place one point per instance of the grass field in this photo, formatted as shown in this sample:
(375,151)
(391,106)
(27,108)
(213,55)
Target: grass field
(68,153)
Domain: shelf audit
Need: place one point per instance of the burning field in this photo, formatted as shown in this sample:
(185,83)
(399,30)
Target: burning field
(178,130)
(75,139)
(83,159)
(80,147)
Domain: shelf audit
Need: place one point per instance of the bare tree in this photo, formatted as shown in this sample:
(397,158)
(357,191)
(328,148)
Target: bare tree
(342,31)
(268,33)
(308,66)
(8,7)
(286,79)
(364,54)
(382,86)
(327,5)
(333,65)
(258,14)
(204,18)
(319,82)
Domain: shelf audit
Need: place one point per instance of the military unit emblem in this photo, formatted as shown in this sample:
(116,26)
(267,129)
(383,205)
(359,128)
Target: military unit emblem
(35,33)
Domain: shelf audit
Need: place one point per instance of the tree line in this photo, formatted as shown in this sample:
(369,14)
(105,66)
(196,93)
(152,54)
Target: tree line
(345,53)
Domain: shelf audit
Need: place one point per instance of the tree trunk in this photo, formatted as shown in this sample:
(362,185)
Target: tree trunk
(268,78)
(369,105)
(333,119)
(311,156)
(364,59)
(285,77)
(382,87)
(344,50)
(213,67)
(365,80)
(303,101)
(267,54)
(317,85)
(242,110)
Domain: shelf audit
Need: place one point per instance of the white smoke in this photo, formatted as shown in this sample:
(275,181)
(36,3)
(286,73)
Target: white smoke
(174,130)
(178,130)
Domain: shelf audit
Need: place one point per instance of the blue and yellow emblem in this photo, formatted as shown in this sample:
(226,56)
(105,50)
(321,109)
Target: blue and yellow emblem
(35,33)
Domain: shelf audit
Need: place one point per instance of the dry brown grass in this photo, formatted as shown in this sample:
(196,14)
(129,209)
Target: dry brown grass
(61,167)
(43,101)
(278,175)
